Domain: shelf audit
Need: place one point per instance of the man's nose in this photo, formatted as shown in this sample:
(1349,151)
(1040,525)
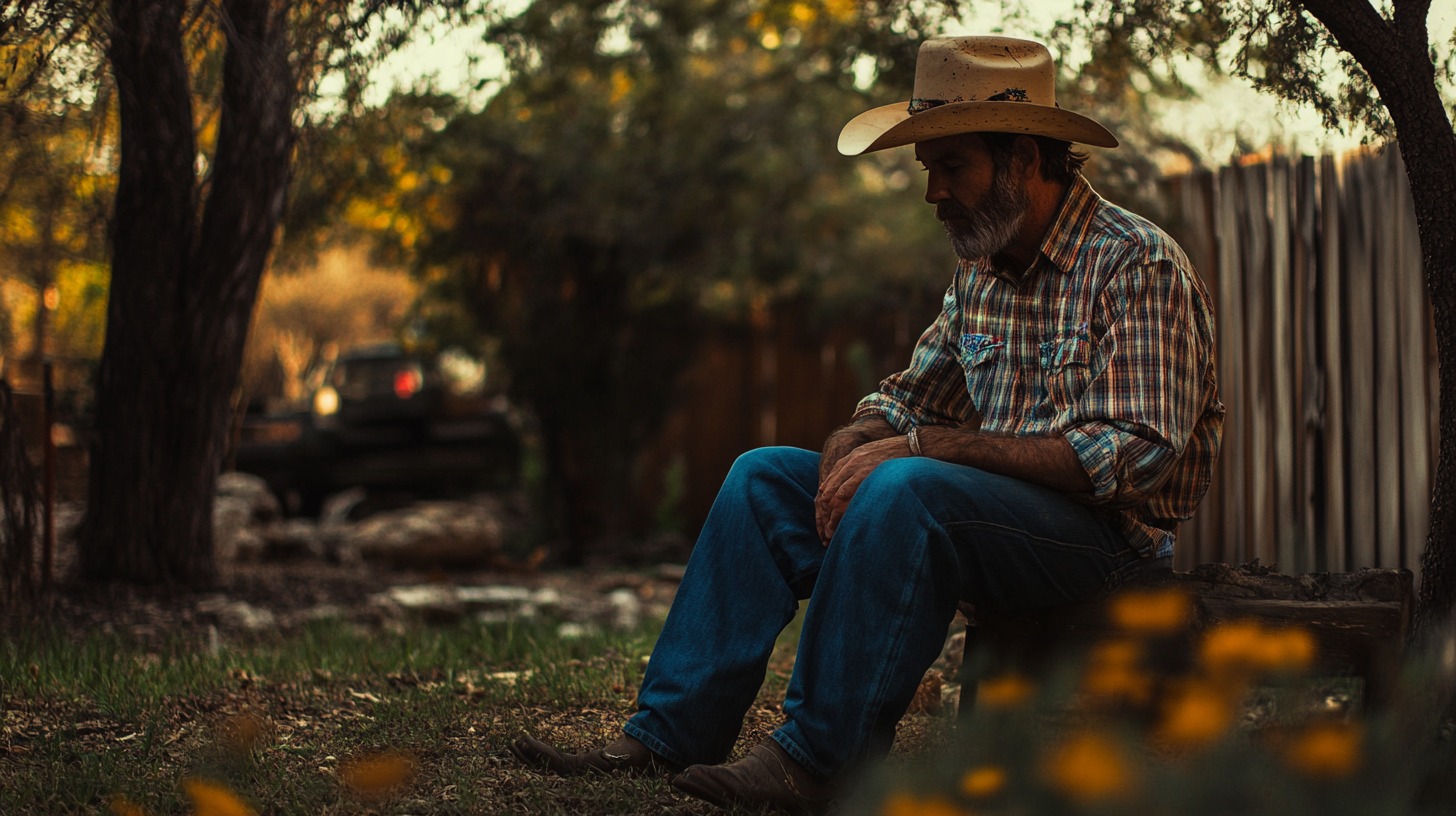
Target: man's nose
(935,191)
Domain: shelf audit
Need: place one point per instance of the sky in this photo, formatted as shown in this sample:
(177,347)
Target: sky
(1228,112)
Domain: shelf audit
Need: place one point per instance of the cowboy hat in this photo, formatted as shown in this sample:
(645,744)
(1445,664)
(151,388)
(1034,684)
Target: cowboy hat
(974,85)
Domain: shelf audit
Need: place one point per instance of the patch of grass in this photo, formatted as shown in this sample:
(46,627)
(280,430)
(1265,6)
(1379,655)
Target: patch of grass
(279,724)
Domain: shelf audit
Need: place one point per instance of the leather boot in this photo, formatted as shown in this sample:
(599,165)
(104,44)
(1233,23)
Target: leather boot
(767,778)
(625,756)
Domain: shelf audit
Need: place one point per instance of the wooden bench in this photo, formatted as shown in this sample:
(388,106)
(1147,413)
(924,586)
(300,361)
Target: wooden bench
(1359,622)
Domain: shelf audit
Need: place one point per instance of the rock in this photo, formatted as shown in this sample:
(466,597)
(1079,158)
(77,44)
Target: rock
(429,535)
(231,524)
(292,540)
(243,506)
(572,631)
(340,508)
(496,596)
(626,609)
(231,614)
(546,599)
(433,603)
(253,493)
(242,543)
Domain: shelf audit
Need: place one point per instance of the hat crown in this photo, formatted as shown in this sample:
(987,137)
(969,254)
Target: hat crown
(982,69)
(974,85)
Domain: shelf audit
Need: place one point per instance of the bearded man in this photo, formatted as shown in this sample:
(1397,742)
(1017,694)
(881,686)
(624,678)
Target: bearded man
(1057,422)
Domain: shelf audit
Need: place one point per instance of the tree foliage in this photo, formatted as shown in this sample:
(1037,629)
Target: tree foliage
(648,164)
(208,96)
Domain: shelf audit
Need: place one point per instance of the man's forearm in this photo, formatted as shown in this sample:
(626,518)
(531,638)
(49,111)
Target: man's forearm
(844,440)
(1048,461)
(865,429)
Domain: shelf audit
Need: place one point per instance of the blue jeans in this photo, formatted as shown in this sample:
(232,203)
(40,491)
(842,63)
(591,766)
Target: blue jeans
(919,536)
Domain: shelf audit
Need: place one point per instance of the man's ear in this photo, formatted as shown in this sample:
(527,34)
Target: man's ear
(1026,157)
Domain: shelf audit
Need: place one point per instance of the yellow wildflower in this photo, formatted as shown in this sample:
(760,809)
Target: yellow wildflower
(983,782)
(902,803)
(1249,646)
(122,806)
(212,799)
(1196,715)
(1005,691)
(1151,612)
(1089,767)
(1115,673)
(1326,750)
(378,775)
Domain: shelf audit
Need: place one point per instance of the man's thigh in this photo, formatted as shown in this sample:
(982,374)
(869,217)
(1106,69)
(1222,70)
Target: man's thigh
(1019,545)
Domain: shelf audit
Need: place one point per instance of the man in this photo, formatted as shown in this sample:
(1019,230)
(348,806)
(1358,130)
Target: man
(1057,421)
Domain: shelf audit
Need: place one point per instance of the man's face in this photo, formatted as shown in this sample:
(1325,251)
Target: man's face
(981,203)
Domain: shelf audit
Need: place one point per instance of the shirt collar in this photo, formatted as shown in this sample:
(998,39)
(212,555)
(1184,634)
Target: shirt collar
(1064,239)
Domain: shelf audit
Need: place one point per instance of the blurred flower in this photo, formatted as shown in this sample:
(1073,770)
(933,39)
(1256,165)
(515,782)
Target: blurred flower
(1326,750)
(212,799)
(1151,612)
(1115,673)
(1090,766)
(983,782)
(902,803)
(1249,646)
(377,775)
(1005,691)
(122,806)
(1196,714)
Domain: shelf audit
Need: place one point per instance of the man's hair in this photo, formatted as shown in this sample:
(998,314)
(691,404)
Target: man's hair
(1060,162)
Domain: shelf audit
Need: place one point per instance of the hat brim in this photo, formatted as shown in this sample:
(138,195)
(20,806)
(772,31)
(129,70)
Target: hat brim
(893,126)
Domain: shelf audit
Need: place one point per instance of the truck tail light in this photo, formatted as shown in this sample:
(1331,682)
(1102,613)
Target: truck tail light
(407,383)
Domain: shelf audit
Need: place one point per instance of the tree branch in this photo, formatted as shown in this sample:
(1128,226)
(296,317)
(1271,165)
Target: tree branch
(1360,30)
(1410,20)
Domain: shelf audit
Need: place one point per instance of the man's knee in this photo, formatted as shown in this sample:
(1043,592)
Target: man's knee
(772,461)
(906,479)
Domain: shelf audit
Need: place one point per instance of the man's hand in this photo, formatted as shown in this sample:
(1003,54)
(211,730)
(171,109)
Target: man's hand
(838,486)
(846,439)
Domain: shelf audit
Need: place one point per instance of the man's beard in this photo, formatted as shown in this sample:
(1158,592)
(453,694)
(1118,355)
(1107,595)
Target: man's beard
(989,226)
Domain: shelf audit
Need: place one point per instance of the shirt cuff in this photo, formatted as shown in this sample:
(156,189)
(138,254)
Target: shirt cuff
(880,405)
(1097,449)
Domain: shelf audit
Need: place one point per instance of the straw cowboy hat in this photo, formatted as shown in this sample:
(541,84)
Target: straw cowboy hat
(973,85)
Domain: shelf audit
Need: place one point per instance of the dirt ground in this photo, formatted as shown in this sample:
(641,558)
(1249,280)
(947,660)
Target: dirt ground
(296,592)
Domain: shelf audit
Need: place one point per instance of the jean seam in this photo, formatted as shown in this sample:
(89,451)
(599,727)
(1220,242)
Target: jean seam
(1030,538)
(893,657)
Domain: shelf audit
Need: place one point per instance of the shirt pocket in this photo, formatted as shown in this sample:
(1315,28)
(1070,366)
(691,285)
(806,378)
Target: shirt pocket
(981,357)
(1067,362)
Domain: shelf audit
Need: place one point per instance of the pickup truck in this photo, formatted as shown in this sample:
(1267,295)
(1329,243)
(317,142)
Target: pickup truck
(383,420)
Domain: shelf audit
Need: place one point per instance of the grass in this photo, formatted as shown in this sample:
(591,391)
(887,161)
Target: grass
(100,723)
(337,719)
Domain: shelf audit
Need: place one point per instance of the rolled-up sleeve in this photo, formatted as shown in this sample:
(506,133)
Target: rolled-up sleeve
(932,391)
(1134,419)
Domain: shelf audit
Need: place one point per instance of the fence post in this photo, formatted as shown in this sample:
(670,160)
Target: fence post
(48,478)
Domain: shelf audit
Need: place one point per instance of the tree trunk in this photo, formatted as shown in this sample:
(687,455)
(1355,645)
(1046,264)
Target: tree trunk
(181,293)
(1397,58)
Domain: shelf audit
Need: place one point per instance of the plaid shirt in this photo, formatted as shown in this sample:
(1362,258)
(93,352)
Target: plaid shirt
(1107,340)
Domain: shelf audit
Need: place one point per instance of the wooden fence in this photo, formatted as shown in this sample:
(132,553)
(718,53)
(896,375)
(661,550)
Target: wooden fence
(1326,364)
